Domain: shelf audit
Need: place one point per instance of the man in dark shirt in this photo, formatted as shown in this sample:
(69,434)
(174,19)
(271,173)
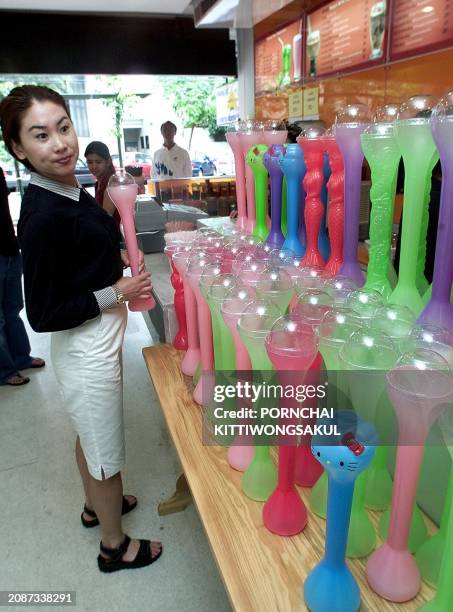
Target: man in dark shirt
(14,344)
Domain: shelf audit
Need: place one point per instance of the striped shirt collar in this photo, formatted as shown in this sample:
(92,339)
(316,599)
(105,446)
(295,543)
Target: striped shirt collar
(59,188)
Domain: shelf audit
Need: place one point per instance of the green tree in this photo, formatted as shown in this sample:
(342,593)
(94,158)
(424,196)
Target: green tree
(193,100)
(119,102)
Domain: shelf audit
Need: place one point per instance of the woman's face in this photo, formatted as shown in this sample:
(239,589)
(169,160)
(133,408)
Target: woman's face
(49,142)
(97,165)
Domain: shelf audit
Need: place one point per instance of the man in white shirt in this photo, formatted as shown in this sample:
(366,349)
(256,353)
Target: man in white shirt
(171,161)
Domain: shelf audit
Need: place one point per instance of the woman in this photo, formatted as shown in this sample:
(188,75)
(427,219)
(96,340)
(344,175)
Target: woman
(14,344)
(101,167)
(74,288)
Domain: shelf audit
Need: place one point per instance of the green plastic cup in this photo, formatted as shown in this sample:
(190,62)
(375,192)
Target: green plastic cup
(260,478)
(365,357)
(275,285)
(413,134)
(443,601)
(383,155)
(254,159)
(335,328)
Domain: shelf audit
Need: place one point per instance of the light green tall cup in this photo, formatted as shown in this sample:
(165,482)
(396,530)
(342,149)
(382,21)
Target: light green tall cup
(383,155)
(443,601)
(260,478)
(413,134)
(336,326)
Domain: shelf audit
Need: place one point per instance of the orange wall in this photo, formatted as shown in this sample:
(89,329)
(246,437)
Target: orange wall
(429,74)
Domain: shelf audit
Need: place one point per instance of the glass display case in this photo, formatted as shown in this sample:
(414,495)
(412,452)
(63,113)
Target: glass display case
(214,195)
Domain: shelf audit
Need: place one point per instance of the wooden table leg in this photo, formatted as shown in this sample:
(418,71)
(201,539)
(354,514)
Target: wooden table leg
(181,498)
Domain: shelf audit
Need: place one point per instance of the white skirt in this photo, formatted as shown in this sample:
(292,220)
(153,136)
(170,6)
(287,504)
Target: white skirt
(88,366)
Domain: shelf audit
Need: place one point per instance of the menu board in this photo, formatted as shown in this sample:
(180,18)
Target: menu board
(345,34)
(278,58)
(421,24)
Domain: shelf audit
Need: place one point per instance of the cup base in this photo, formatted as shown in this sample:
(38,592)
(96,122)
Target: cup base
(285,513)
(141,305)
(393,574)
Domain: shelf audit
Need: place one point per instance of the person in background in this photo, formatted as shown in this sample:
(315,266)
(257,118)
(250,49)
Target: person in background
(171,161)
(294,131)
(75,289)
(100,165)
(14,343)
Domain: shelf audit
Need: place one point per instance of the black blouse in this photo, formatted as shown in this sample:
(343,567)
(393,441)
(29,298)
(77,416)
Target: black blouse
(70,249)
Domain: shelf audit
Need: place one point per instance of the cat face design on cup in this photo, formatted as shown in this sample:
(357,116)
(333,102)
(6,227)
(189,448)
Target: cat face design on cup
(346,454)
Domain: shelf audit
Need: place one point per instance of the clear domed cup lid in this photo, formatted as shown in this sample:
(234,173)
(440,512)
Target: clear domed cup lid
(443,111)
(237,298)
(429,333)
(313,37)
(430,337)
(383,124)
(312,133)
(250,271)
(243,258)
(121,178)
(378,9)
(279,257)
(423,374)
(273,281)
(236,126)
(417,109)
(368,349)
(312,306)
(206,231)
(446,425)
(258,318)
(198,262)
(220,286)
(274,125)
(365,302)
(231,249)
(379,130)
(353,115)
(264,249)
(339,288)
(181,256)
(251,125)
(208,274)
(337,326)
(394,320)
(291,336)
(310,278)
(293,266)
(329,134)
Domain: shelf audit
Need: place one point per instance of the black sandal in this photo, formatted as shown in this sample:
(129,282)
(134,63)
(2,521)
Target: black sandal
(115,562)
(127,507)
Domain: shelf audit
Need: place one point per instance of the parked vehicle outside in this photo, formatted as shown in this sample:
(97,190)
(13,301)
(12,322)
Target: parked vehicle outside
(135,158)
(202,165)
(84,176)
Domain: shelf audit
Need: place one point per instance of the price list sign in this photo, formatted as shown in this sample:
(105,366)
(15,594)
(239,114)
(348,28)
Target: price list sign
(278,59)
(345,34)
(419,25)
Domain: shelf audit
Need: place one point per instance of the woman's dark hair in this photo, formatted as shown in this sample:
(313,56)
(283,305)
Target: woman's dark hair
(16,103)
(97,147)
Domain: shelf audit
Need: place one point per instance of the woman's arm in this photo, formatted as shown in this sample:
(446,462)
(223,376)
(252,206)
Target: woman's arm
(107,204)
(48,306)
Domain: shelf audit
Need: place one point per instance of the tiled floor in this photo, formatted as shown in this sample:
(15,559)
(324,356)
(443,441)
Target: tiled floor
(43,544)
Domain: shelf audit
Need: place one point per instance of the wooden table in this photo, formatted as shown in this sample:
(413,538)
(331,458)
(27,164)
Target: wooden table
(261,571)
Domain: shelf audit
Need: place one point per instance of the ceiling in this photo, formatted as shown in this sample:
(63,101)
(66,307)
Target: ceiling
(164,7)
